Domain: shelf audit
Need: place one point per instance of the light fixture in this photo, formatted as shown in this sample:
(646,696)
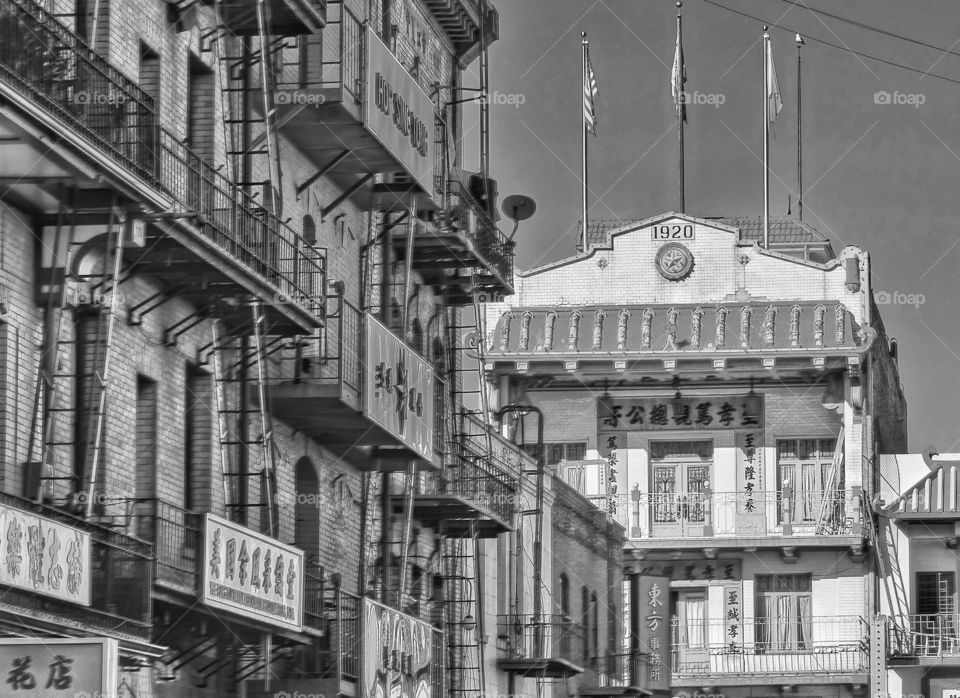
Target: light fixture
(677,397)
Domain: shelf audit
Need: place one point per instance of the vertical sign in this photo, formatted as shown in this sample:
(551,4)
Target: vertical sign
(753,503)
(733,615)
(398,392)
(397,654)
(654,616)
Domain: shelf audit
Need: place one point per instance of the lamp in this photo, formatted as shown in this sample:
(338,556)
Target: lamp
(677,401)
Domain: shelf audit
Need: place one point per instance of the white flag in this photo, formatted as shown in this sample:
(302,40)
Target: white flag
(774,103)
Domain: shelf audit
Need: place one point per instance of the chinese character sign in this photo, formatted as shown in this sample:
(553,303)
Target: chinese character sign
(688,413)
(397,656)
(251,574)
(695,572)
(398,393)
(44,556)
(751,497)
(58,667)
(653,614)
(733,617)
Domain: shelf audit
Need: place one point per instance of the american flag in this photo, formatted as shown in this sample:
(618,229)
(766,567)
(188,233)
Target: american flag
(678,76)
(589,95)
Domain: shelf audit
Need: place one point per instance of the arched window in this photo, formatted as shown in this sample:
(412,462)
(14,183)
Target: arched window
(565,595)
(310,229)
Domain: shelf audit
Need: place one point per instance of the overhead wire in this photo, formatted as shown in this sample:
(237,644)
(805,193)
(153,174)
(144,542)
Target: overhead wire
(805,35)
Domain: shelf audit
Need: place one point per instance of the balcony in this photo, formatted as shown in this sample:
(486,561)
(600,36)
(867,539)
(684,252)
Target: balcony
(286,17)
(343,109)
(548,647)
(467,496)
(178,573)
(620,675)
(461,21)
(120,580)
(924,638)
(819,650)
(368,397)
(736,519)
(76,132)
(464,250)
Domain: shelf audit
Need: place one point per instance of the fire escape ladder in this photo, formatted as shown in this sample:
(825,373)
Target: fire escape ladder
(53,369)
(831,506)
(882,537)
(227,472)
(463,616)
(102,351)
(267,444)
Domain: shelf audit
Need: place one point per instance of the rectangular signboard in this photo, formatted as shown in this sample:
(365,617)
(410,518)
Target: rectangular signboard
(671,414)
(654,623)
(251,574)
(398,389)
(57,667)
(44,556)
(398,654)
(398,113)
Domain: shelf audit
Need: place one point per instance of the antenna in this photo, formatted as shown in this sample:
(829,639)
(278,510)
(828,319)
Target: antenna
(518,207)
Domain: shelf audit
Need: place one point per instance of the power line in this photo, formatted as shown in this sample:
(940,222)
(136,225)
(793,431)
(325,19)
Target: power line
(863,25)
(833,45)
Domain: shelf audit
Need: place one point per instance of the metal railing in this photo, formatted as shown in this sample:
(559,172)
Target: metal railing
(313,590)
(466,217)
(52,66)
(344,49)
(41,59)
(341,620)
(549,637)
(478,481)
(338,359)
(175,533)
(121,578)
(708,514)
(472,442)
(924,635)
(774,646)
(627,669)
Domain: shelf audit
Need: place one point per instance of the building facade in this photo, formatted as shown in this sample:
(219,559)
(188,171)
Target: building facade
(239,262)
(724,402)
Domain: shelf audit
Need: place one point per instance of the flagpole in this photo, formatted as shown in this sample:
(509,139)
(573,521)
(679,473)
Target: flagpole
(766,140)
(583,135)
(680,117)
(799,135)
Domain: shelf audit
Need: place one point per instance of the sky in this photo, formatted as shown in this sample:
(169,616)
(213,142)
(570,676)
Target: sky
(881,144)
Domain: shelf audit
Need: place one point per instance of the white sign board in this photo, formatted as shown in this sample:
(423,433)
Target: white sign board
(44,556)
(251,574)
(399,113)
(58,667)
(398,393)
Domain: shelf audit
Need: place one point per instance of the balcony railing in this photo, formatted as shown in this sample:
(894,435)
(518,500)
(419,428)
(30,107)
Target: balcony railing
(472,442)
(342,624)
(338,359)
(466,217)
(549,637)
(477,481)
(121,579)
(924,635)
(761,646)
(176,534)
(760,513)
(624,670)
(46,63)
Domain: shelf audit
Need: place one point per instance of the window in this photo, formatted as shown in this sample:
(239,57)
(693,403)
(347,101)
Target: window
(560,451)
(200,108)
(784,612)
(935,592)
(806,465)
(565,595)
(145,444)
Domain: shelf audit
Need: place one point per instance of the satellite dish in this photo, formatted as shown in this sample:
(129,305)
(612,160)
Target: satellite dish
(518,207)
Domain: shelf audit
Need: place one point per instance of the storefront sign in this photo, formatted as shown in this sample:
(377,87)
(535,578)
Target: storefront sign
(733,615)
(667,414)
(59,667)
(251,574)
(398,654)
(752,500)
(44,556)
(398,392)
(398,112)
(654,612)
(682,572)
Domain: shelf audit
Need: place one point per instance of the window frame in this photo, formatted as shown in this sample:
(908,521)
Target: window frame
(795,587)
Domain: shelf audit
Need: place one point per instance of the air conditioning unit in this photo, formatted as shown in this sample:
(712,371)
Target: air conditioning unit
(80,294)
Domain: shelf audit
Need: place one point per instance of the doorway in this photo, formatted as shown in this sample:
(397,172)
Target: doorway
(680,477)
